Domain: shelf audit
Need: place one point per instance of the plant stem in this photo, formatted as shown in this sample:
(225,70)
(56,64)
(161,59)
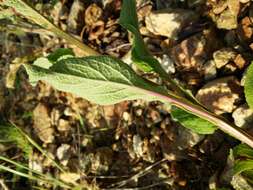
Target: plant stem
(30,13)
(225,126)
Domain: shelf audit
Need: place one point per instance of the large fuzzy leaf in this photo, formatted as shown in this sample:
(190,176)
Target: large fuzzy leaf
(103,80)
(248,87)
(192,122)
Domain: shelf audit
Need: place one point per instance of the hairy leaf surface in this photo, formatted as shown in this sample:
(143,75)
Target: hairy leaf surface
(103,80)
(248,87)
(192,122)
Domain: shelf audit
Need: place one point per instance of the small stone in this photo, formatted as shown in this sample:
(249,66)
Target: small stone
(69,177)
(102,160)
(243,116)
(63,154)
(169,22)
(223,56)
(42,124)
(138,112)
(209,70)
(36,165)
(245,30)
(193,52)
(92,14)
(74,21)
(229,68)
(240,61)
(251,46)
(220,95)
(126,116)
(187,138)
(225,13)
(137,145)
(63,125)
(227,20)
(168,64)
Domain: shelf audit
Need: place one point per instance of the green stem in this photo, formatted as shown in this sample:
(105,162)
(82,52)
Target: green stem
(30,13)
(225,126)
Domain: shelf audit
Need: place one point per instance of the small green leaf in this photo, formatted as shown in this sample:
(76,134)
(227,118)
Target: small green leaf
(11,134)
(242,165)
(103,79)
(192,122)
(243,150)
(61,53)
(140,54)
(248,87)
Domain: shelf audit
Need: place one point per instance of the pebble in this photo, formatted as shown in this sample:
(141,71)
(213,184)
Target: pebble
(209,69)
(225,13)
(167,64)
(220,95)
(192,53)
(169,22)
(62,154)
(42,123)
(63,125)
(243,116)
(223,56)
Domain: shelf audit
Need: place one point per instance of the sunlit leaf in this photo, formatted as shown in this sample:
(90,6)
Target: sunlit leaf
(248,87)
(192,122)
(140,54)
(103,80)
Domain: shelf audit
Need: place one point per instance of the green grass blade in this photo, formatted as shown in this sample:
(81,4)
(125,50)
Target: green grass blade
(39,148)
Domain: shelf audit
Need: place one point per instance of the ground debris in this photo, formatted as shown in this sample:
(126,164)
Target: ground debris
(42,124)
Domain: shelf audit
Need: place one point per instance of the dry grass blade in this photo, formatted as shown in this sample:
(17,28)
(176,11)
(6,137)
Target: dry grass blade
(138,175)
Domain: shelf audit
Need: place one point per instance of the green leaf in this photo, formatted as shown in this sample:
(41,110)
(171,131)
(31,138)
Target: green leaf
(103,79)
(192,122)
(140,54)
(248,87)
(242,165)
(10,134)
(61,53)
(43,62)
(47,62)
(243,150)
